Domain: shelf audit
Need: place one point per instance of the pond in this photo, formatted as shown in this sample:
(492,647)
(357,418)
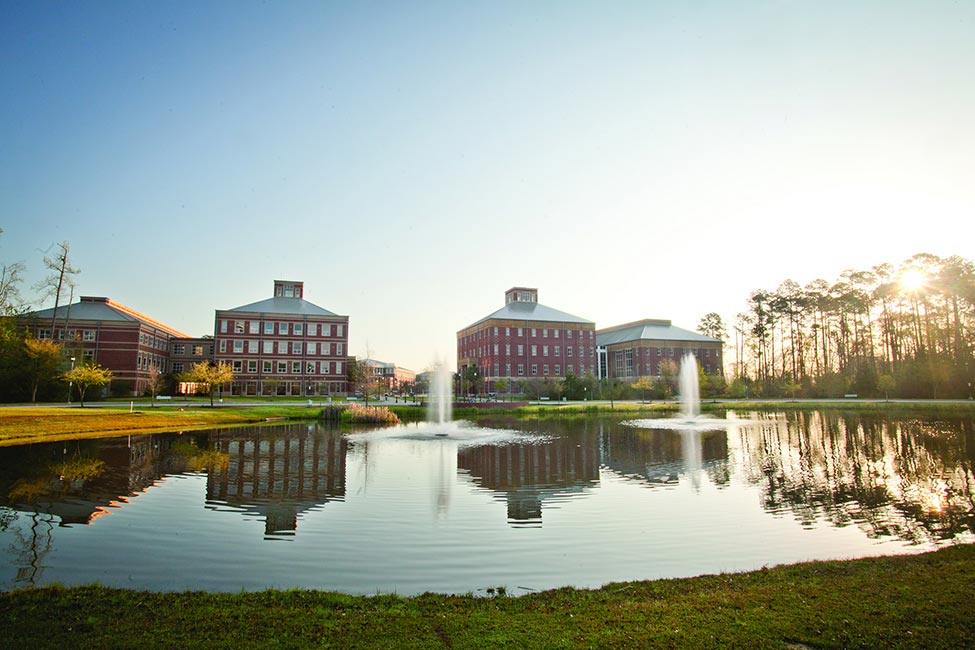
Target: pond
(524,504)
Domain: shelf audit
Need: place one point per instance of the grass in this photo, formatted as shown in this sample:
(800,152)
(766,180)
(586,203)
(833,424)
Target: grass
(921,601)
(25,425)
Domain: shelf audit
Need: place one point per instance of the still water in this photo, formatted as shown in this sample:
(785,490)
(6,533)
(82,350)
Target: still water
(528,505)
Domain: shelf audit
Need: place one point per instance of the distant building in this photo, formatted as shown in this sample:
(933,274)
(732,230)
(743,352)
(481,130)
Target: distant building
(636,349)
(96,329)
(394,378)
(284,345)
(184,353)
(525,340)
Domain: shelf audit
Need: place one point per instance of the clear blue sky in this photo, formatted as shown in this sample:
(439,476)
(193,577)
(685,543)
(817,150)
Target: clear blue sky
(412,161)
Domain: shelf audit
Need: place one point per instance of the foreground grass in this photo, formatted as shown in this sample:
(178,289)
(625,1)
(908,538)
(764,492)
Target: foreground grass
(921,601)
(24,425)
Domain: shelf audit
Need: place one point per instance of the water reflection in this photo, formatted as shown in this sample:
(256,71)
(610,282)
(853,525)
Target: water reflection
(277,473)
(586,481)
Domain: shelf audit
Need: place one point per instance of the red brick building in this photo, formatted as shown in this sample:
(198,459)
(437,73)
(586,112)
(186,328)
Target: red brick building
(637,349)
(526,340)
(283,345)
(100,330)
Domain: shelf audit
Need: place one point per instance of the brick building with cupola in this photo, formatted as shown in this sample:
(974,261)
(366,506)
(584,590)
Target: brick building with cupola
(527,340)
(283,345)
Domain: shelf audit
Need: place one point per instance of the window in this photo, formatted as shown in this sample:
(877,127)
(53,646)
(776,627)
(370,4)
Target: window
(238,327)
(545,333)
(568,350)
(268,328)
(326,349)
(582,351)
(545,369)
(534,350)
(296,367)
(495,348)
(507,348)
(296,348)
(313,348)
(90,355)
(568,368)
(519,332)
(299,329)
(544,350)
(268,347)
(495,370)
(312,329)
(495,331)
(628,361)
(534,368)
(238,365)
(555,333)
(177,367)
(507,370)
(521,369)
(238,346)
(521,350)
(43,334)
(534,332)
(198,350)
(223,345)
(253,327)
(179,348)
(507,331)
(282,367)
(252,346)
(338,367)
(338,349)
(223,327)
(326,367)
(266,367)
(310,368)
(252,367)
(326,329)
(568,334)
(89,335)
(282,328)
(558,350)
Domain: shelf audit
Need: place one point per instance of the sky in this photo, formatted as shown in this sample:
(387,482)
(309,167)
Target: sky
(411,161)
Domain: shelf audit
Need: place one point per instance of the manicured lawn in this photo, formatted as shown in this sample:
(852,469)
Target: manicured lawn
(22,425)
(922,601)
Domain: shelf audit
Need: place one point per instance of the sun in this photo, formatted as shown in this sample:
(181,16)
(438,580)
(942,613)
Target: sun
(913,280)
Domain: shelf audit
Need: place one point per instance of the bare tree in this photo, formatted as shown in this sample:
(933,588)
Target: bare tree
(56,282)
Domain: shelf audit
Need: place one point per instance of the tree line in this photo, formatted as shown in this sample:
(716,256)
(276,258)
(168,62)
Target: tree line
(905,330)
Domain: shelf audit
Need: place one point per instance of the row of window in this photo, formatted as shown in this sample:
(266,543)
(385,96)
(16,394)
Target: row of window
(533,332)
(281,328)
(72,335)
(287,367)
(555,349)
(179,349)
(310,348)
(546,368)
(144,339)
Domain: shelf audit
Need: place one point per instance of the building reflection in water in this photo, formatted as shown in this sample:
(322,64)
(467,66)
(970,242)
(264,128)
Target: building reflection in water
(278,473)
(527,476)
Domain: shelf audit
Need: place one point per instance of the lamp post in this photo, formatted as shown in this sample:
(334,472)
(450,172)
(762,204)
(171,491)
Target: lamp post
(70,382)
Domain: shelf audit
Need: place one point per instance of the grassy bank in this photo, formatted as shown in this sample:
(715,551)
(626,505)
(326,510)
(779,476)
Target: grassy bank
(23,425)
(921,601)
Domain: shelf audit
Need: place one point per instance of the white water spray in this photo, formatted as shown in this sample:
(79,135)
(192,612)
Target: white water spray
(690,389)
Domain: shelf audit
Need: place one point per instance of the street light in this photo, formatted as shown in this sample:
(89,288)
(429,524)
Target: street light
(70,382)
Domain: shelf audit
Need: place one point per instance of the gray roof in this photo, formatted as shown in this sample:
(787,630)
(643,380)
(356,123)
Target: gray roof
(282,305)
(653,330)
(104,310)
(518,310)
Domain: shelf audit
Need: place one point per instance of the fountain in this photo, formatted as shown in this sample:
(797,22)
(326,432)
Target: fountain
(440,407)
(690,389)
